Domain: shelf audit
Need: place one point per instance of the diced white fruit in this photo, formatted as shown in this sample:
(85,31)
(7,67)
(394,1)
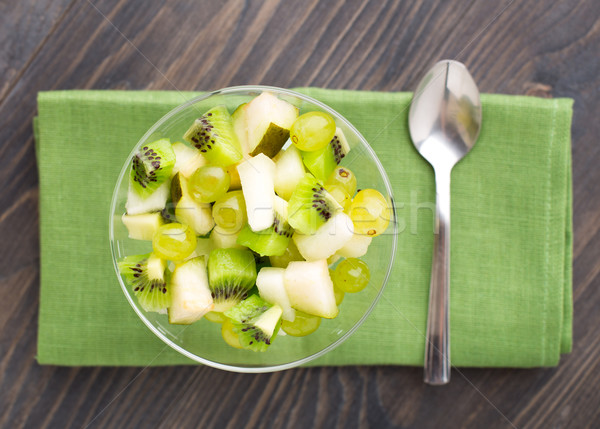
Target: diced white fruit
(142,226)
(240,127)
(197,215)
(188,169)
(191,297)
(263,110)
(271,288)
(155,202)
(289,170)
(328,239)
(269,320)
(310,288)
(187,159)
(223,239)
(256,176)
(356,247)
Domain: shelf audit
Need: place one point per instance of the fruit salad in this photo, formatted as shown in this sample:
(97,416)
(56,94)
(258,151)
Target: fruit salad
(246,215)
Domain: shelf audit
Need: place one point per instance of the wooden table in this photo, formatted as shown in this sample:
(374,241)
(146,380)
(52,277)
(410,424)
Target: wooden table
(546,48)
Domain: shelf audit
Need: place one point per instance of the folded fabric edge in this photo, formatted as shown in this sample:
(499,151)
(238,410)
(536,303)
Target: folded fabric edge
(181,97)
(567,331)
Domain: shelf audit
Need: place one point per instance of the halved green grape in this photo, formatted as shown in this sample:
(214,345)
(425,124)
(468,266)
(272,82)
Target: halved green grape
(302,325)
(339,296)
(343,177)
(174,241)
(229,335)
(229,211)
(215,317)
(209,183)
(340,194)
(351,275)
(312,131)
(370,213)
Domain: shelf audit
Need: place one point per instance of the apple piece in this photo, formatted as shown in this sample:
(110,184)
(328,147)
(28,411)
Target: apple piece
(289,171)
(268,123)
(256,176)
(187,159)
(328,239)
(310,288)
(356,247)
(142,226)
(191,297)
(271,288)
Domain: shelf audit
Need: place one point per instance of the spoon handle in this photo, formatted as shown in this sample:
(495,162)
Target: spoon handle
(437,347)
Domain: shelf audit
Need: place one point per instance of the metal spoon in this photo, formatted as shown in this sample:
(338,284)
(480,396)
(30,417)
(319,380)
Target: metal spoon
(444,122)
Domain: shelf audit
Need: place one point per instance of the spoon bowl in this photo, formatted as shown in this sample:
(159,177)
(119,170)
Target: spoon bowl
(444,122)
(445,114)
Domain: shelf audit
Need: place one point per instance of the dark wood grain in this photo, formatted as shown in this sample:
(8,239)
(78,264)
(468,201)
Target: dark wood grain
(25,27)
(545,48)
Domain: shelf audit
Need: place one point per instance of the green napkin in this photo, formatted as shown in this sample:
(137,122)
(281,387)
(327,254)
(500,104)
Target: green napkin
(511,298)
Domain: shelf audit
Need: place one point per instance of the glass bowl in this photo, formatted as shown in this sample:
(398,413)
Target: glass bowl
(202,341)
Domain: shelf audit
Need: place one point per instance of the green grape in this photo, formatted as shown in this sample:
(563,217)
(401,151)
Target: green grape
(343,177)
(229,335)
(340,195)
(339,295)
(291,254)
(215,317)
(351,275)
(174,241)
(302,325)
(370,213)
(229,211)
(312,131)
(209,183)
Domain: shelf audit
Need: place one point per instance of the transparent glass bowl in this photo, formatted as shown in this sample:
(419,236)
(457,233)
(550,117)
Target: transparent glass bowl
(202,340)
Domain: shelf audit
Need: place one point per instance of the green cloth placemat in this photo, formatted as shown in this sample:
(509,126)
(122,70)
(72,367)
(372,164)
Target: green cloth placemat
(511,296)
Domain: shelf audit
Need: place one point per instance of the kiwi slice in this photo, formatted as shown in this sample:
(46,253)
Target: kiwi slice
(231,274)
(321,163)
(256,322)
(146,276)
(310,206)
(213,135)
(271,241)
(151,166)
